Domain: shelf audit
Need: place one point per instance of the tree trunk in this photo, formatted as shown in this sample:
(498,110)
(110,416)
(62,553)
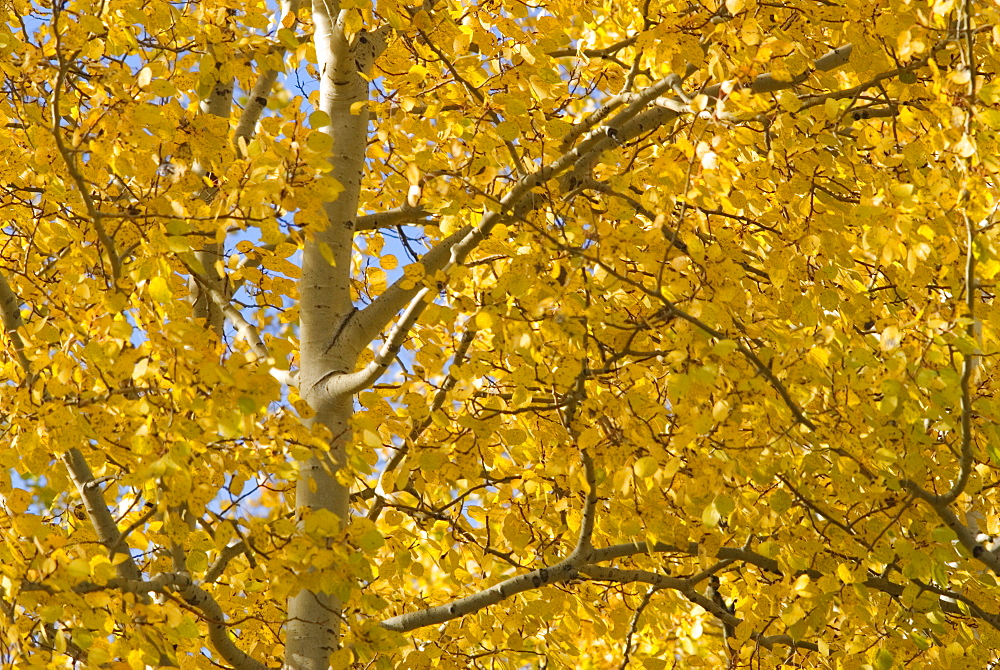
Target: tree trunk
(330,343)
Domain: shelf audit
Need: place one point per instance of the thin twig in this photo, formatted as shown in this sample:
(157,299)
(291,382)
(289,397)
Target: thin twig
(634,626)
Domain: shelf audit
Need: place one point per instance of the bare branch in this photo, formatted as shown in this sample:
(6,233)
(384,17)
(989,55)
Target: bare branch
(381,311)
(854,91)
(219,103)
(665,110)
(123,537)
(393,217)
(743,555)
(694,549)
(584,548)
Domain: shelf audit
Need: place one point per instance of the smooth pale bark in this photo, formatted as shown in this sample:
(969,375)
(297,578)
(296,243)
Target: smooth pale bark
(329,342)
(261,91)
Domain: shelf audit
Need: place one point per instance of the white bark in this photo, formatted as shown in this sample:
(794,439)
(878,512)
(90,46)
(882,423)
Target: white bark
(257,100)
(330,344)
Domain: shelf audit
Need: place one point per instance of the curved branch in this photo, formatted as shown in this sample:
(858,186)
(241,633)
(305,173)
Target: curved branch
(225,556)
(181,584)
(349,384)
(566,569)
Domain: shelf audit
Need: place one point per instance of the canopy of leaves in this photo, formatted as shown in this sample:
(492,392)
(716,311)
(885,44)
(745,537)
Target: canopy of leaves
(730,312)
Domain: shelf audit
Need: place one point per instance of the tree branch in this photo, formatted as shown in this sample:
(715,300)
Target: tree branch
(446,254)
(337,385)
(222,561)
(941,503)
(478,96)
(257,100)
(664,110)
(557,573)
(181,584)
(671,309)
(99,514)
(602,52)
(245,330)
(400,216)
(10,312)
(687,586)
(566,569)
(96,217)
(633,627)
(436,404)
(219,104)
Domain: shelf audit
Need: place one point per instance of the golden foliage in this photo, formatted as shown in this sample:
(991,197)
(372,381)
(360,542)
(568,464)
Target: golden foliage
(754,314)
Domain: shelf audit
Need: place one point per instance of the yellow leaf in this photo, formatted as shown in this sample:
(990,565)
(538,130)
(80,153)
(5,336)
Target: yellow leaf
(196,561)
(646,466)
(789,101)
(159,290)
(319,119)
(889,338)
(319,142)
(327,253)
(145,76)
(484,321)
